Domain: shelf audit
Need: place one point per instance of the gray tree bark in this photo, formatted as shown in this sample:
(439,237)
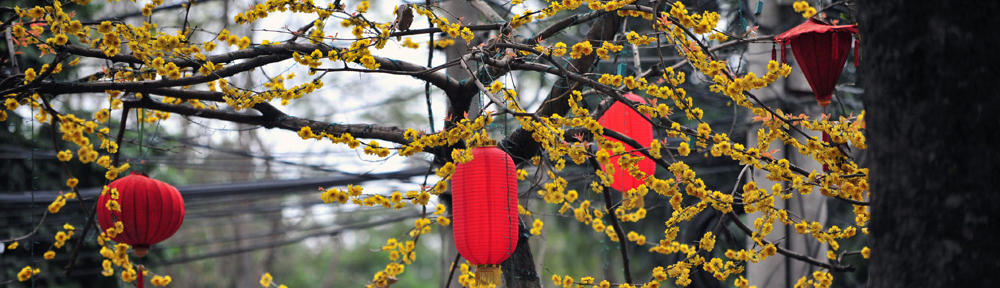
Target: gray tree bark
(928,71)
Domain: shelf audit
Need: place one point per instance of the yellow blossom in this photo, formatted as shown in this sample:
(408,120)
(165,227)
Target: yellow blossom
(265,280)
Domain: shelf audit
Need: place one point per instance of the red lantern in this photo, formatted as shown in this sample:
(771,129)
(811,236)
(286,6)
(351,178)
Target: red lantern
(821,51)
(626,121)
(150,210)
(484,207)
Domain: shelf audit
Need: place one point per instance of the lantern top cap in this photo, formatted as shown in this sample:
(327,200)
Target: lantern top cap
(634,97)
(814,26)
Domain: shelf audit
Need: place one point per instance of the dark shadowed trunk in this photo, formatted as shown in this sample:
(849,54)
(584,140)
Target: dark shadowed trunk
(932,102)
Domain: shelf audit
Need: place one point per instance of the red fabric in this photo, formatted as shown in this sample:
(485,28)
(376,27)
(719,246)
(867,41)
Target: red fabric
(821,51)
(626,121)
(484,206)
(151,210)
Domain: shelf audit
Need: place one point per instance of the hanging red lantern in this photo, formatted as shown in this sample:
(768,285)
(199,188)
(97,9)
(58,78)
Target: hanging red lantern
(821,51)
(150,211)
(626,121)
(484,208)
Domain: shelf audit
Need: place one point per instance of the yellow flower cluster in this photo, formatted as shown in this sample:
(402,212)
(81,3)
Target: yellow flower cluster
(707,242)
(639,40)
(261,11)
(536,227)
(421,226)
(408,43)
(606,49)
(466,278)
(639,239)
(580,49)
(117,257)
(387,276)
(567,281)
(559,49)
(820,279)
(161,281)
(699,23)
(27,272)
(373,148)
(398,249)
(266,279)
(62,236)
(804,8)
(454,30)
(721,270)
(553,192)
(635,14)
(59,202)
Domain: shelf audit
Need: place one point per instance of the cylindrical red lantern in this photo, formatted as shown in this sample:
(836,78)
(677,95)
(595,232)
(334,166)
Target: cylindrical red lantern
(484,208)
(626,121)
(150,211)
(821,51)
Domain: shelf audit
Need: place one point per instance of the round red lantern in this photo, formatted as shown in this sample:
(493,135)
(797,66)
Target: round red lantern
(626,121)
(484,208)
(821,51)
(150,211)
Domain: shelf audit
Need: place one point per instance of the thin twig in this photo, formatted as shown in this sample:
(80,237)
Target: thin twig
(451,272)
(622,243)
(790,254)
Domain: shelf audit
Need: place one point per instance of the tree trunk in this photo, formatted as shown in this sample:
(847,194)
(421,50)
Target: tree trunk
(519,269)
(933,133)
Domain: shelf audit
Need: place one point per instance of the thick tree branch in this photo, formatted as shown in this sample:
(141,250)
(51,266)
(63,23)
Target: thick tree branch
(271,117)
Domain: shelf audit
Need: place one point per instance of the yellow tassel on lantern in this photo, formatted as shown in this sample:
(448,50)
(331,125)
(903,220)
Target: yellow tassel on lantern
(488,274)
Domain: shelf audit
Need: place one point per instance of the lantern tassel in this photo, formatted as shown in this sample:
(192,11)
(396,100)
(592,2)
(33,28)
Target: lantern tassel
(488,274)
(140,280)
(783,53)
(857,47)
(774,53)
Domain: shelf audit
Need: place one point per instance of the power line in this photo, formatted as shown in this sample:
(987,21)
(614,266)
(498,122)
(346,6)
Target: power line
(17,199)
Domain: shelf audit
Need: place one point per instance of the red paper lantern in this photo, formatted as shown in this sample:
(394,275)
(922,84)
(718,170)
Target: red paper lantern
(626,121)
(151,211)
(821,51)
(484,208)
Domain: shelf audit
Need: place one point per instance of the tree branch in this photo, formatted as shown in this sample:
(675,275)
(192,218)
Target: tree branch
(788,253)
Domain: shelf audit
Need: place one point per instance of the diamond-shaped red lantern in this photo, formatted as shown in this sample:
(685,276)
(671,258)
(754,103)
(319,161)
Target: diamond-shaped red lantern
(484,208)
(821,51)
(626,121)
